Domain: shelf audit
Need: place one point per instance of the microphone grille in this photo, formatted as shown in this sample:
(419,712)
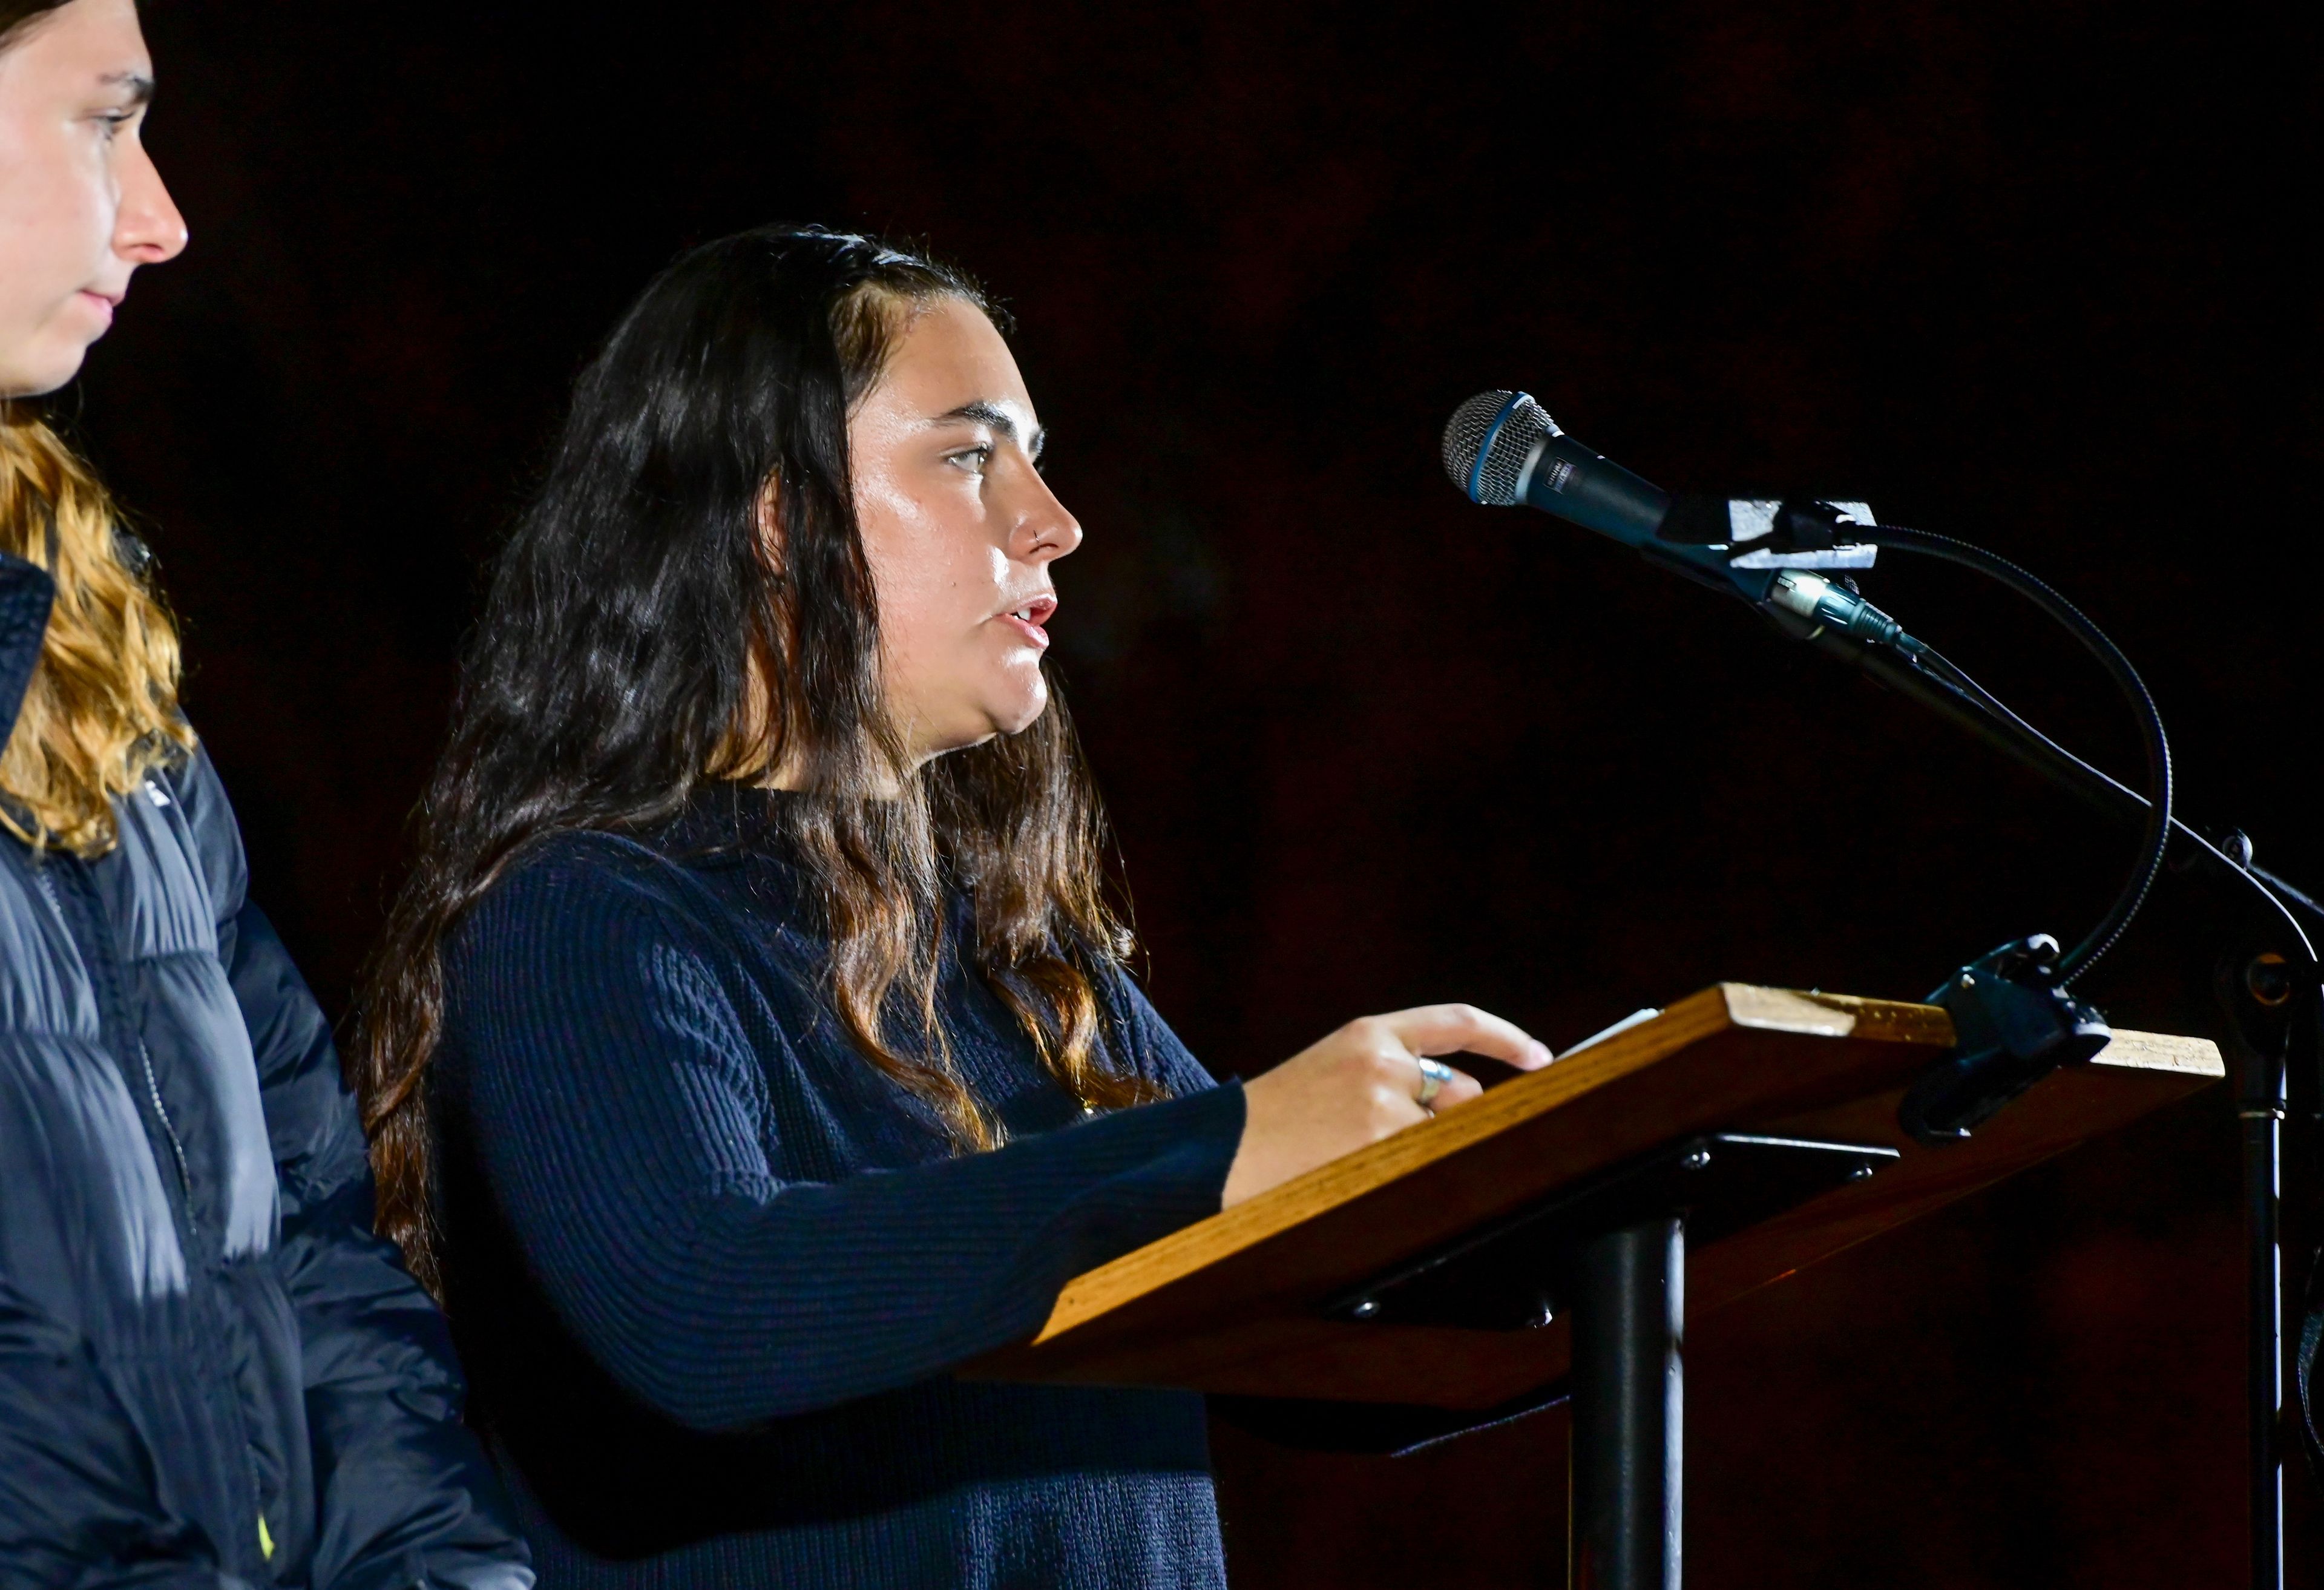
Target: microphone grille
(1502,426)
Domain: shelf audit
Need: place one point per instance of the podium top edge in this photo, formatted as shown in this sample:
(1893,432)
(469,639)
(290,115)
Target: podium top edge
(2161,1052)
(1813,1013)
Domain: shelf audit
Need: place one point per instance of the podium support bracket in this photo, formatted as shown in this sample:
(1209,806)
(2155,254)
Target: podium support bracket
(1610,1257)
(1629,1313)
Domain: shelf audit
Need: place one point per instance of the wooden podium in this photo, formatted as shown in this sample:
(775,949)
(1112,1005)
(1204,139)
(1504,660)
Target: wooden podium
(1561,1228)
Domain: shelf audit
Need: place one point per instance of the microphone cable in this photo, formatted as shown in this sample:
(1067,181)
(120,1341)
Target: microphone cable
(2094,639)
(1949,676)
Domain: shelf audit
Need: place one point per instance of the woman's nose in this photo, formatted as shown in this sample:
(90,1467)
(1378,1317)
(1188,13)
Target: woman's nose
(148,229)
(1048,530)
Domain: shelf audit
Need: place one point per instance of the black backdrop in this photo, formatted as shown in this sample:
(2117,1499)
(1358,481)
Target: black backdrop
(2034,275)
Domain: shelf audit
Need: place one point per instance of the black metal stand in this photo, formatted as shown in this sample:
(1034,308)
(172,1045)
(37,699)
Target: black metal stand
(2262,995)
(1629,1313)
(2263,1156)
(2256,992)
(1610,1254)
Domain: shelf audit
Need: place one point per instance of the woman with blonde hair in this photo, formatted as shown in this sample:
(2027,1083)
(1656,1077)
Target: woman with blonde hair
(211,1372)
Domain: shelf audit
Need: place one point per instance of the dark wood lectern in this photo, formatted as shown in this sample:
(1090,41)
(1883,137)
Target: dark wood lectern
(1569,1220)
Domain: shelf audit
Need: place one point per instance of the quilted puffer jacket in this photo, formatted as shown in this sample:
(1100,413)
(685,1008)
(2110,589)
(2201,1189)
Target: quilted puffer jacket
(211,1372)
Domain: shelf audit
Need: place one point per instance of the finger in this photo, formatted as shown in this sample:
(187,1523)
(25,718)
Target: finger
(1449,1029)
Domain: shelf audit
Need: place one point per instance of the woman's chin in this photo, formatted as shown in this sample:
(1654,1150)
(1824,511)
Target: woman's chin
(41,368)
(1022,709)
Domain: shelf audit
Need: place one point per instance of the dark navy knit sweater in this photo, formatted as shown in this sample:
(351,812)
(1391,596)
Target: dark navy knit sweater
(708,1269)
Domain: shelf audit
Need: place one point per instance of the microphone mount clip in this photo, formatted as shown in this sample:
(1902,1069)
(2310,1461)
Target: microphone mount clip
(2013,1025)
(1758,534)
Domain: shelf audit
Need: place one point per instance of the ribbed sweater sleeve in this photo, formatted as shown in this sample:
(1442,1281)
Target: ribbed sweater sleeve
(620,1106)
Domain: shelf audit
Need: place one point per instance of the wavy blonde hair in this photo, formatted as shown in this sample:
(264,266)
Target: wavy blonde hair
(101,711)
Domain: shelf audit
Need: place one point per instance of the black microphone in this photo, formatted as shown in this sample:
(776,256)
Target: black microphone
(1502,448)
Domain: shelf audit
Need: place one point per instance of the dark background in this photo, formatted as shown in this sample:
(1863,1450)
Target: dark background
(2038,275)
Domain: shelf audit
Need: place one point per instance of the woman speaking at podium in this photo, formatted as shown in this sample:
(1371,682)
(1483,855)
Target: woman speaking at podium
(750,1047)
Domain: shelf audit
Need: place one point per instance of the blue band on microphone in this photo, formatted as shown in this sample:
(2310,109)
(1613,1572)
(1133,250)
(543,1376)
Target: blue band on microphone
(1485,447)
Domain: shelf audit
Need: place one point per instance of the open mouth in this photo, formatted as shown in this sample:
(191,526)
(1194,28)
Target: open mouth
(1030,618)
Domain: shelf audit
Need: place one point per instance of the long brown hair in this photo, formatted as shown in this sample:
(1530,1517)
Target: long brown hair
(101,710)
(640,639)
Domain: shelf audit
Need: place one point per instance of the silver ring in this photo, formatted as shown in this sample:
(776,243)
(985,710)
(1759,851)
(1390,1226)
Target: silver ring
(1433,1076)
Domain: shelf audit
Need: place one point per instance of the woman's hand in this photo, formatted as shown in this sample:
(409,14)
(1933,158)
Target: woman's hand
(1360,1084)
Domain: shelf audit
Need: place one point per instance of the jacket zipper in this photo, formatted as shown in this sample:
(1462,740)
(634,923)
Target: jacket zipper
(170,1130)
(48,886)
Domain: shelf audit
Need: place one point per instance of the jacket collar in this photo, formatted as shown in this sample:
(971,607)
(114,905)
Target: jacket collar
(26,593)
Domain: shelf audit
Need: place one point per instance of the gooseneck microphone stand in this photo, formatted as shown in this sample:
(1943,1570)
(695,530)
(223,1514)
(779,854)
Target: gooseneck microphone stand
(2015,1019)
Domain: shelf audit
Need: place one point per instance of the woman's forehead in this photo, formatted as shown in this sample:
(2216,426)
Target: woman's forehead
(949,363)
(90,46)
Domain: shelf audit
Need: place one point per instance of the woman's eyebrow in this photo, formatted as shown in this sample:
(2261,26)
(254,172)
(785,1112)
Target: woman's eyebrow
(985,412)
(139,86)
